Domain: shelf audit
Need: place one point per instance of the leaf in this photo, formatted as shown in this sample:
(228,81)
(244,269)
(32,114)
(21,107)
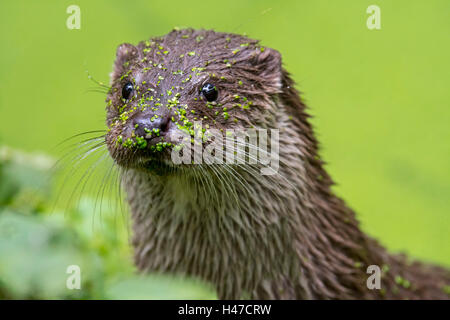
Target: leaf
(158,287)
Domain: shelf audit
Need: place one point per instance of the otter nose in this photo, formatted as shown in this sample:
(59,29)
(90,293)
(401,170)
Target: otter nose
(149,127)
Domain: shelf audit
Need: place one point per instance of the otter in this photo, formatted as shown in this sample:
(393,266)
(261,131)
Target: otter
(275,236)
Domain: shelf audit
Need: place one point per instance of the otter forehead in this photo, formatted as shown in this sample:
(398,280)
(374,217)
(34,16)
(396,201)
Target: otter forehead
(186,52)
(162,83)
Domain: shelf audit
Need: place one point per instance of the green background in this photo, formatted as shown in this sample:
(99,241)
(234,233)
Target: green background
(380,98)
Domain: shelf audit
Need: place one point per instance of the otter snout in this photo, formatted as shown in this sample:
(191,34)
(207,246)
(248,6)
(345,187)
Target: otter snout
(150,126)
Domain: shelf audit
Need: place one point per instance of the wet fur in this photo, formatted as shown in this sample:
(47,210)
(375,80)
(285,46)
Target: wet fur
(285,236)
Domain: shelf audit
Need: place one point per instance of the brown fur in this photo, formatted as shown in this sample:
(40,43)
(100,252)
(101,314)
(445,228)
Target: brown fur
(285,236)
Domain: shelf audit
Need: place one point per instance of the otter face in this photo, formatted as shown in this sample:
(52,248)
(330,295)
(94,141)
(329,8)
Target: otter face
(163,88)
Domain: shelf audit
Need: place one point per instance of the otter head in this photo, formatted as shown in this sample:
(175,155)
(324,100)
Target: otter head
(161,88)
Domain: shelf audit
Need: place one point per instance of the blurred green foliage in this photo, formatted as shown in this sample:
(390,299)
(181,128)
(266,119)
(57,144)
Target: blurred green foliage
(37,244)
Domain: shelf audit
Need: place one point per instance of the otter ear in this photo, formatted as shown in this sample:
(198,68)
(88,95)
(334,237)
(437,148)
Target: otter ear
(125,53)
(268,64)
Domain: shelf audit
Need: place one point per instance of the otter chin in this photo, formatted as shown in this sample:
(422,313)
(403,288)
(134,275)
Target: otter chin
(159,167)
(284,235)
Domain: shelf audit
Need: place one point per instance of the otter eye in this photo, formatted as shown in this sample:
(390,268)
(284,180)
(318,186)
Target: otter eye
(127,90)
(210,92)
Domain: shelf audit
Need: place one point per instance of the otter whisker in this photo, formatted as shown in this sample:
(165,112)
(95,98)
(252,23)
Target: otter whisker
(253,147)
(75,148)
(75,162)
(114,191)
(121,173)
(196,180)
(262,180)
(211,185)
(238,178)
(214,172)
(101,190)
(99,83)
(227,186)
(85,178)
(96,91)
(80,134)
(88,173)
(75,152)
(239,196)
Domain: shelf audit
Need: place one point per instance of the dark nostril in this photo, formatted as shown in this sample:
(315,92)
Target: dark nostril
(150,126)
(164,125)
